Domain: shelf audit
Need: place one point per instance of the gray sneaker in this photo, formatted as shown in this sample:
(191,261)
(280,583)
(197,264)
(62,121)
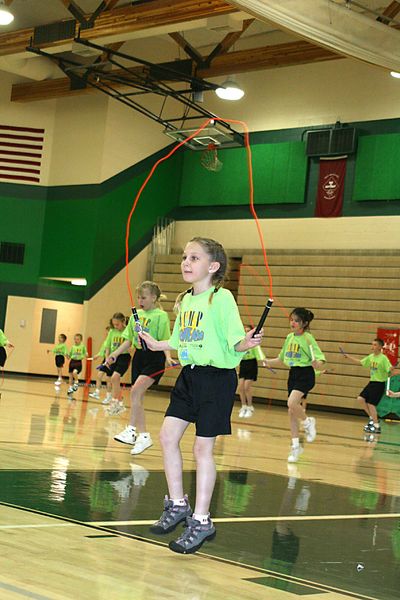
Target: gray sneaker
(193,537)
(171,517)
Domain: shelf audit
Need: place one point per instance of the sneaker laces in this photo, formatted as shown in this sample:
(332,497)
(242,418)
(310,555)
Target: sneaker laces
(169,510)
(190,533)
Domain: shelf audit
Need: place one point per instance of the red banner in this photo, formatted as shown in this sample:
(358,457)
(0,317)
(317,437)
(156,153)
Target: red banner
(330,188)
(391,339)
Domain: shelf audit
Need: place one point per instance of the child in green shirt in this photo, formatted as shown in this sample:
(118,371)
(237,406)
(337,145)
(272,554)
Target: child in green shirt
(4,343)
(60,351)
(380,370)
(100,373)
(248,371)
(77,353)
(118,368)
(147,367)
(210,340)
(301,353)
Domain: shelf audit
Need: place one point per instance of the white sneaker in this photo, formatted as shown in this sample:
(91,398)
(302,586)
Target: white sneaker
(127,436)
(107,399)
(58,382)
(310,429)
(75,387)
(294,454)
(95,395)
(242,412)
(71,389)
(143,441)
(249,412)
(139,474)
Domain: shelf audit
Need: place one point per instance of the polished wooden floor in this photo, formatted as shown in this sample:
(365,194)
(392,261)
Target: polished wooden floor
(75,507)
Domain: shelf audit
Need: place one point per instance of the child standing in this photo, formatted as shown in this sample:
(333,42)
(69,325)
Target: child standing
(60,351)
(380,370)
(248,371)
(210,339)
(4,343)
(147,367)
(119,367)
(302,355)
(77,353)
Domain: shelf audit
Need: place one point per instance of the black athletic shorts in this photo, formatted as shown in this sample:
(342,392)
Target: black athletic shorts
(373,392)
(147,362)
(301,379)
(248,369)
(204,396)
(75,365)
(120,366)
(60,360)
(3,356)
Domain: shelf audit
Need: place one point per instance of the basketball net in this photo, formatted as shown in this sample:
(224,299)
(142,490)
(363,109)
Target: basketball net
(209,159)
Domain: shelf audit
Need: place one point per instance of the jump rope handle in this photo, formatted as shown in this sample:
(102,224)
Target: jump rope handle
(264,316)
(139,327)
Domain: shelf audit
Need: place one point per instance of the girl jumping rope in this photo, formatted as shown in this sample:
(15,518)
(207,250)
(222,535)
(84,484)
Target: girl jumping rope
(302,355)
(210,339)
(147,367)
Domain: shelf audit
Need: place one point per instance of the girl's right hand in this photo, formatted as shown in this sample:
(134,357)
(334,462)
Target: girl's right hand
(110,360)
(151,343)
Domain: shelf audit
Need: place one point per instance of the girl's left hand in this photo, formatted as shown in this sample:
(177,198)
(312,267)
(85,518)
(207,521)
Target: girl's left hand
(170,362)
(251,342)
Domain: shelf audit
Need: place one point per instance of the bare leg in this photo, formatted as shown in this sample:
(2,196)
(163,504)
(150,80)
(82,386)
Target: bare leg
(373,414)
(296,411)
(70,379)
(115,384)
(59,372)
(171,433)
(366,407)
(205,473)
(75,375)
(248,392)
(138,390)
(241,391)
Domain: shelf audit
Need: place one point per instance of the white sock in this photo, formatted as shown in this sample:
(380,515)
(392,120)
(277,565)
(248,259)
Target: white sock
(295,442)
(202,518)
(306,421)
(376,424)
(179,501)
(97,390)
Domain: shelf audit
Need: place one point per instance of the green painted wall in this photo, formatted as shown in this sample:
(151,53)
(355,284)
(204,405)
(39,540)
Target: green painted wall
(377,173)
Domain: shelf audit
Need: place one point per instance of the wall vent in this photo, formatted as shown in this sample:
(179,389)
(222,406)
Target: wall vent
(11,252)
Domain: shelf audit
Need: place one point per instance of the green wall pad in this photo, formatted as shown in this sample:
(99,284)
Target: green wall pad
(280,172)
(377,174)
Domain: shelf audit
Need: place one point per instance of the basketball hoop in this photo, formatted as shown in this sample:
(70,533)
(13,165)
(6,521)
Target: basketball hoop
(209,159)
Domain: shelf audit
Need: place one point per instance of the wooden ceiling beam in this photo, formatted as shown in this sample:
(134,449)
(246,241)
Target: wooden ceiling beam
(390,12)
(186,47)
(242,61)
(229,40)
(126,20)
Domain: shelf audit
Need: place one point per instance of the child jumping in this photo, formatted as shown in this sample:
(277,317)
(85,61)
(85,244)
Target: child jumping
(119,367)
(100,374)
(380,370)
(302,355)
(77,353)
(210,339)
(147,367)
(4,343)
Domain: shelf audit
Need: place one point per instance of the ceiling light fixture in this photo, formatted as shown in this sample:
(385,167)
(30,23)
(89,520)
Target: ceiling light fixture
(6,16)
(395,74)
(78,281)
(230,90)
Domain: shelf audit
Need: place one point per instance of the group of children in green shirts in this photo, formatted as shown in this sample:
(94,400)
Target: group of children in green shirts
(76,355)
(210,341)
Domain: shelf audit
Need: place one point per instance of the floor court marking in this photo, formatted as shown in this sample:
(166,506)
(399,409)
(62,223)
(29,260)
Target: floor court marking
(107,528)
(260,519)
(22,592)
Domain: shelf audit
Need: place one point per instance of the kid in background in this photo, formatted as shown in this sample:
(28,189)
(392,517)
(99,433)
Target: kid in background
(117,368)
(100,374)
(302,355)
(4,343)
(248,371)
(77,353)
(380,370)
(60,351)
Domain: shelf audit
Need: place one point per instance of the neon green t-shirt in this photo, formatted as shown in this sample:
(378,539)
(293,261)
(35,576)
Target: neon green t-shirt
(256,353)
(102,349)
(296,350)
(78,352)
(205,333)
(3,339)
(379,366)
(114,340)
(60,350)
(155,322)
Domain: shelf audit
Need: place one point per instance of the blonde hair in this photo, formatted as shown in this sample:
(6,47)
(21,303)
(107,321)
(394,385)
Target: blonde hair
(216,253)
(154,290)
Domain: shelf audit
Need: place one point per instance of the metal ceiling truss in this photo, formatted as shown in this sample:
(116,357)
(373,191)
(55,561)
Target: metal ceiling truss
(140,80)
